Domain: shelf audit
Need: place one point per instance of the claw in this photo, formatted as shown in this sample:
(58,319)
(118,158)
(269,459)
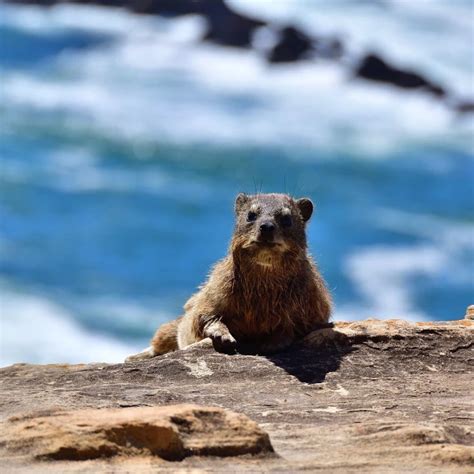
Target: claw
(224,343)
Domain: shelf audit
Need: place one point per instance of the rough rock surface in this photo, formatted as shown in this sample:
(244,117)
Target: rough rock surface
(372,396)
(170,432)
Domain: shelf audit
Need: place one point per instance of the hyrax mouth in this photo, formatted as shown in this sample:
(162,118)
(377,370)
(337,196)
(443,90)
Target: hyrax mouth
(265,245)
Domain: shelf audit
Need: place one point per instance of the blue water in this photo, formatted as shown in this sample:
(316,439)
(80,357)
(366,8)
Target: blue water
(123,146)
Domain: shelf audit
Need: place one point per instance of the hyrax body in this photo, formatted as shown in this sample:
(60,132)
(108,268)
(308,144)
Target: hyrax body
(266,293)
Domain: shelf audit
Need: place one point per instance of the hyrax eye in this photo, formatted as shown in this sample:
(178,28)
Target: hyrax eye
(286,221)
(251,216)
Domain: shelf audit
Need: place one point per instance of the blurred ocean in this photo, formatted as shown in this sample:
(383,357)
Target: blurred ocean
(124,140)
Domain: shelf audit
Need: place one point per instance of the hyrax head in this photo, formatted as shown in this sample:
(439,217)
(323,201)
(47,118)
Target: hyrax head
(271,224)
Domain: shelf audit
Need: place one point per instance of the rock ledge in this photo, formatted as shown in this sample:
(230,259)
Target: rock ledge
(378,396)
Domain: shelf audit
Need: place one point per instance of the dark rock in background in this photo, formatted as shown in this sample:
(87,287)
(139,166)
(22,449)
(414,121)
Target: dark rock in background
(374,68)
(293,45)
(464,106)
(230,28)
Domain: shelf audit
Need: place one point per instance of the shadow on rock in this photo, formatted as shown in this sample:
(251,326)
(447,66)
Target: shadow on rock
(311,365)
(309,360)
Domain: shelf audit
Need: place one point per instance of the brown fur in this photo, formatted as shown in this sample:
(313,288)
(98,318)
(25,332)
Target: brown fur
(262,295)
(165,338)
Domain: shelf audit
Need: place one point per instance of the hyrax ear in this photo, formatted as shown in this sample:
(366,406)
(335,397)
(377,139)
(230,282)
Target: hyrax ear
(240,202)
(305,207)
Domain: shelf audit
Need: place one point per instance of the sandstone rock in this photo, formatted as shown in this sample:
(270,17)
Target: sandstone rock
(171,432)
(372,396)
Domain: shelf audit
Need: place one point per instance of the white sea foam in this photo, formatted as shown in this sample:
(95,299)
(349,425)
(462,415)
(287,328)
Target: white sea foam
(455,240)
(126,314)
(158,83)
(58,18)
(385,276)
(412,34)
(36,329)
(306,105)
(452,235)
(77,170)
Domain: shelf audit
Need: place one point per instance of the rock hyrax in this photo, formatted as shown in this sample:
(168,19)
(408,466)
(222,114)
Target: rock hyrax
(266,293)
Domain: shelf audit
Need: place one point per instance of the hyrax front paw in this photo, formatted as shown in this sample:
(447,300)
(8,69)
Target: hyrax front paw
(148,353)
(224,343)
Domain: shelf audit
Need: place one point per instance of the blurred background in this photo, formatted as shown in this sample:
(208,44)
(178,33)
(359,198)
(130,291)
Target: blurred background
(127,132)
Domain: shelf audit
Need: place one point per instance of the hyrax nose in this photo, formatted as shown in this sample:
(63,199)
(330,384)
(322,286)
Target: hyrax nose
(267,228)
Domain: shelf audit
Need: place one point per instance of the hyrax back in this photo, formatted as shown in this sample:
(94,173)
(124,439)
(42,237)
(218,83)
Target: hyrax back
(267,291)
